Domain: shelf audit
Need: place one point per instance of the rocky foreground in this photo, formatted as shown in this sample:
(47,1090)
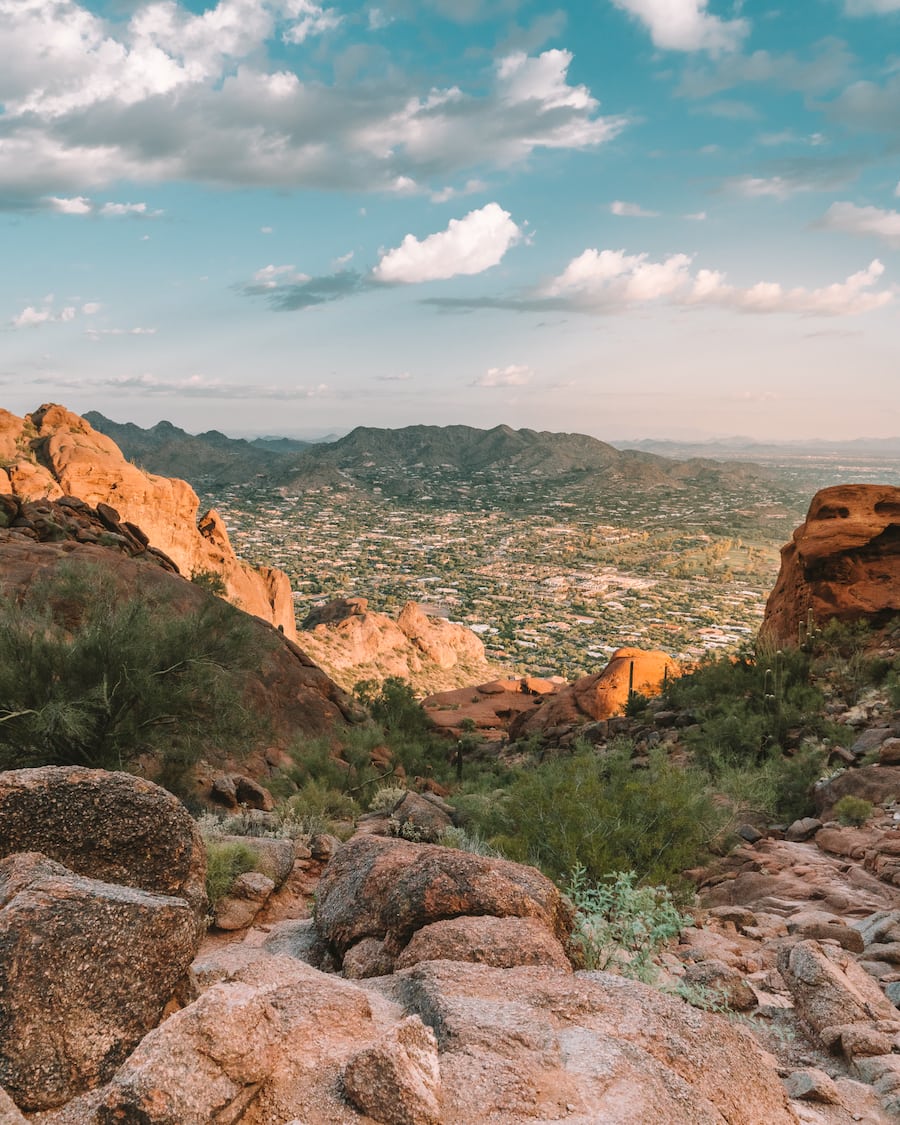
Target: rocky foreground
(431,986)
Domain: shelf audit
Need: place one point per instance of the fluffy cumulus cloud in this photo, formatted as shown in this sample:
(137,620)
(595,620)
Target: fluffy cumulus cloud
(468,246)
(686,25)
(82,205)
(871,221)
(612,280)
(513,375)
(172,94)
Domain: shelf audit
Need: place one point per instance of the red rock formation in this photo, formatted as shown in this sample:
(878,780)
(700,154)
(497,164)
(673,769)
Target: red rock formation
(602,695)
(353,643)
(492,707)
(53,453)
(843,562)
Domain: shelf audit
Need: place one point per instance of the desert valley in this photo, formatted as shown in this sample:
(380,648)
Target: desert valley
(500,798)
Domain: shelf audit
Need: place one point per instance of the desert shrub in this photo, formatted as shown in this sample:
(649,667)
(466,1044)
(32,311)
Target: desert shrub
(316,800)
(853,811)
(620,926)
(606,815)
(211,581)
(225,860)
(778,787)
(465,841)
(385,798)
(393,703)
(93,676)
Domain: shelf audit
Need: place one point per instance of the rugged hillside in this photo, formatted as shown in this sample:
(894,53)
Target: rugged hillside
(53,453)
(843,562)
(353,643)
(37,537)
(210,457)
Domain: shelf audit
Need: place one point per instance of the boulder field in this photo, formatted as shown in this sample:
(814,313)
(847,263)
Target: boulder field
(256,1031)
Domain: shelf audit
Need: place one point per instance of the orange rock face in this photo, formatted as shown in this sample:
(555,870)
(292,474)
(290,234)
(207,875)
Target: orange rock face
(843,562)
(52,453)
(605,693)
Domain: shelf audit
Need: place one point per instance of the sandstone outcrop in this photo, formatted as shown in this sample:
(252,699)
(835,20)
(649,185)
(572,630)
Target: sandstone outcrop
(843,562)
(385,890)
(52,453)
(353,643)
(86,968)
(600,696)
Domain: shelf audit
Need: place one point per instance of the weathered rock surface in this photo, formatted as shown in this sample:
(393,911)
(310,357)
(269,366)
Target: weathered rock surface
(501,942)
(108,826)
(601,695)
(86,968)
(843,562)
(246,897)
(397,1081)
(536,1044)
(55,453)
(353,643)
(267,1044)
(387,889)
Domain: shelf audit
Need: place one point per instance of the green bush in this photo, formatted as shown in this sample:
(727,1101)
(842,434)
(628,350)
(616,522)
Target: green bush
(606,815)
(853,811)
(225,860)
(619,926)
(93,676)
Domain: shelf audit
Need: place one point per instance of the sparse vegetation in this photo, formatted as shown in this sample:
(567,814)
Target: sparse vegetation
(89,676)
(225,860)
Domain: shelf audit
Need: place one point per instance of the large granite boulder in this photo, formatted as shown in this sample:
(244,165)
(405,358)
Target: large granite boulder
(109,826)
(86,968)
(386,890)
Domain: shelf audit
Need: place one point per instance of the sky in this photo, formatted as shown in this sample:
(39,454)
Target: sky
(627,218)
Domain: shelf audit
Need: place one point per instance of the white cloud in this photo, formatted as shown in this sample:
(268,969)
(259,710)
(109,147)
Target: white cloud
(199,386)
(77,206)
(757,187)
(271,276)
(402,377)
(29,317)
(312,19)
(172,95)
(863,220)
(99,333)
(471,187)
(631,210)
(118,209)
(614,277)
(468,246)
(696,216)
(608,280)
(91,308)
(685,25)
(514,375)
(266,230)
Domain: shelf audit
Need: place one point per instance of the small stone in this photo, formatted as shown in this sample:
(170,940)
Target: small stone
(749,833)
(812,1085)
(803,829)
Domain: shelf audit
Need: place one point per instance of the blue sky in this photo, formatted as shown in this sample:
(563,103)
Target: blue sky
(621,217)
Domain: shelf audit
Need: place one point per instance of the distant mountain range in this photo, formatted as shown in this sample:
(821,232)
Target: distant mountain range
(406,461)
(750,450)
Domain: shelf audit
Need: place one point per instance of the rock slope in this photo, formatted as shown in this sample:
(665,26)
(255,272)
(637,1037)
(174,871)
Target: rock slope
(52,453)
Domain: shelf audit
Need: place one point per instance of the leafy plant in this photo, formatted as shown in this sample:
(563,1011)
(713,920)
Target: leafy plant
(225,860)
(620,926)
(853,811)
